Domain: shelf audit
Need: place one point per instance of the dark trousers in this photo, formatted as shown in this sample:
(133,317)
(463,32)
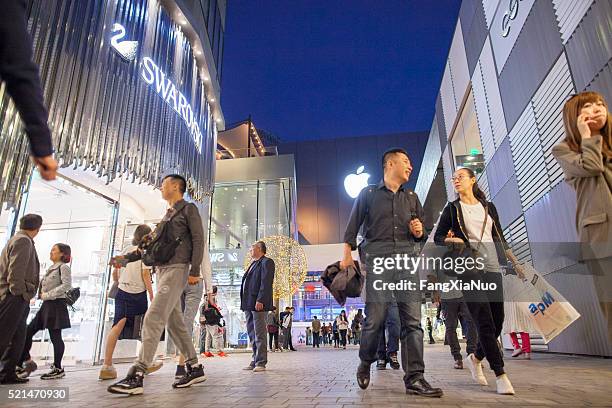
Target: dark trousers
(316,339)
(336,339)
(55,335)
(453,308)
(430,332)
(388,343)
(13,315)
(288,340)
(487,311)
(273,340)
(342,338)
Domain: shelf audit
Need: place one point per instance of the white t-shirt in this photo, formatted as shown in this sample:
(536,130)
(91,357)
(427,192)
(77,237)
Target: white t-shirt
(473,217)
(130,277)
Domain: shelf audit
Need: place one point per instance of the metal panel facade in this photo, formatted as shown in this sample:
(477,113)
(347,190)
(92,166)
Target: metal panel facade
(507,25)
(569,14)
(590,48)
(474,28)
(547,104)
(535,51)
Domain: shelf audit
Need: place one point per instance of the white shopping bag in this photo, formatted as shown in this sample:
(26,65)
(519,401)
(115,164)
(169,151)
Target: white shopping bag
(549,312)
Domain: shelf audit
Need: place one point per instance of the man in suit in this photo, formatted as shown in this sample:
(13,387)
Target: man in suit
(256,301)
(19,271)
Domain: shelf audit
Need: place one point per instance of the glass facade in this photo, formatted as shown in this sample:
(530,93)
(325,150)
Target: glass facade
(465,141)
(241,214)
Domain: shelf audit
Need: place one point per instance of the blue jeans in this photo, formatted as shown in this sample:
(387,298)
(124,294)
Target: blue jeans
(389,343)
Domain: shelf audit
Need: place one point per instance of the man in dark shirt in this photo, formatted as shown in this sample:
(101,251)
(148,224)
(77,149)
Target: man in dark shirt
(389,216)
(20,74)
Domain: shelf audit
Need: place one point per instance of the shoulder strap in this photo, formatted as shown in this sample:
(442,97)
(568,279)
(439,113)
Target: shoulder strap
(484,225)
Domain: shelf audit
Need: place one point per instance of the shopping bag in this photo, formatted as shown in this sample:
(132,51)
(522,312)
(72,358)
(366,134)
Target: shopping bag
(549,312)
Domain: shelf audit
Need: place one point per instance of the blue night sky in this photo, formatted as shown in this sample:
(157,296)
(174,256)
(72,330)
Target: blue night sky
(323,69)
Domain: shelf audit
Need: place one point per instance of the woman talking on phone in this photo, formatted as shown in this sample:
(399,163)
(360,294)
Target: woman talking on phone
(585,155)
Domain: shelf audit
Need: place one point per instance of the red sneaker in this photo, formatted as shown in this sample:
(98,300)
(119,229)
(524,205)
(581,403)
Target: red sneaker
(209,354)
(222,354)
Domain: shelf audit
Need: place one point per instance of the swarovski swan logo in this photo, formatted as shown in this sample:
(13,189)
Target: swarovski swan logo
(127,49)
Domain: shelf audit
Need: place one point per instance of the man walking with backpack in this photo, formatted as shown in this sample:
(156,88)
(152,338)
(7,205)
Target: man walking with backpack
(176,248)
(390,216)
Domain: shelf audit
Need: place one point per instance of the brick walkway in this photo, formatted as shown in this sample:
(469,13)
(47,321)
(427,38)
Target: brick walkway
(326,378)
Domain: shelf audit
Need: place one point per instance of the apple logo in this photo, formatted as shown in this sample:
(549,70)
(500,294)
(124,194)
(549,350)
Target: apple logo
(354,183)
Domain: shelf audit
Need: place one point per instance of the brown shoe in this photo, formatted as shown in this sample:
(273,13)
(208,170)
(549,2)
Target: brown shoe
(458,365)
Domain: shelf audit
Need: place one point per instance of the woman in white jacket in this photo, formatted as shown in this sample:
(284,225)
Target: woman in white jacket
(342,323)
(53,314)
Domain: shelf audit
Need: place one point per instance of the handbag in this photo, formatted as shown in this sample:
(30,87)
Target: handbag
(466,250)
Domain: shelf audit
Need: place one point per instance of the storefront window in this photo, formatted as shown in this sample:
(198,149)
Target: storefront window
(242,214)
(83,219)
(465,142)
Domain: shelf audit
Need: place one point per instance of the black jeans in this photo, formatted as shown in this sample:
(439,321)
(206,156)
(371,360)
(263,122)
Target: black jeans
(273,340)
(14,312)
(288,340)
(336,339)
(342,338)
(315,339)
(487,311)
(453,308)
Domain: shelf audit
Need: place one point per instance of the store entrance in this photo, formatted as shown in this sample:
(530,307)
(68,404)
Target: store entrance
(86,220)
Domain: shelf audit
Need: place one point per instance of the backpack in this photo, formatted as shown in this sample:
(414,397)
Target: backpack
(212,316)
(160,250)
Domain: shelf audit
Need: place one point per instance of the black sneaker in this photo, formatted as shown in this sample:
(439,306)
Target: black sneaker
(54,374)
(130,385)
(194,375)
(180,372)
(381,364)
(393,361)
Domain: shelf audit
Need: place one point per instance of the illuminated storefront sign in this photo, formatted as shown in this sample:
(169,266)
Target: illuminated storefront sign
(165,88)
(157,79)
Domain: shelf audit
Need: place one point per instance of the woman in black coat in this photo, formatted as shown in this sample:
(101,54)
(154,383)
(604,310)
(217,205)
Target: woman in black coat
(472,221)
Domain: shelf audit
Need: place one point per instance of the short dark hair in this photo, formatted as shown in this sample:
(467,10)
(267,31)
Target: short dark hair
(214,289)
(30,222)
(315,317)
(262,245)
(177,178)
(387,155)
(139,233)
(66,252)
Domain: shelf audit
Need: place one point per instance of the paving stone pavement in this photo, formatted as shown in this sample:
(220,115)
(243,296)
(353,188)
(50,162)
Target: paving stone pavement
(326,378)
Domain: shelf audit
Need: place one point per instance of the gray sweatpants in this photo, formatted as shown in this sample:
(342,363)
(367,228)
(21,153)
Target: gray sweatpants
(165,311)
(190,304)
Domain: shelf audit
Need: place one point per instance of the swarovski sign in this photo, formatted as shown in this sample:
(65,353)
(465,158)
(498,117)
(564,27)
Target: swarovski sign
(157,79)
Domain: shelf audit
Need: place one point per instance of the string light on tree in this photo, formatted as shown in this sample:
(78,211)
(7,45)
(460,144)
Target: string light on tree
(290,263)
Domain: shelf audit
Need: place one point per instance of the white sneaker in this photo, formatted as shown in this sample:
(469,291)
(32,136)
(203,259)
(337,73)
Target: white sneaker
(504,387)
(517,352)
(259,369)
(475,367)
